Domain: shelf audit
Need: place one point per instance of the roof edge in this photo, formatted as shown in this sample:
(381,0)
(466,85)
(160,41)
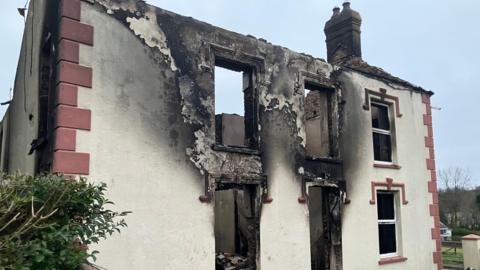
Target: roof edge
(356,64)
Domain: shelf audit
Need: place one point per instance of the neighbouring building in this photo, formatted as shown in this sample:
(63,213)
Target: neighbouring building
(445,232)
(330,166)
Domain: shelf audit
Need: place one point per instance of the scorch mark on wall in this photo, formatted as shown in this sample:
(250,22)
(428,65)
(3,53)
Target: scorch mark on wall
(143,22)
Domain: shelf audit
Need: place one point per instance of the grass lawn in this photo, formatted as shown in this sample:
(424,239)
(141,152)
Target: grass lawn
(452,258)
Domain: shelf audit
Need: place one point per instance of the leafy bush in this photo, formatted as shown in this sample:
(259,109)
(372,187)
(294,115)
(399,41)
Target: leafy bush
(462,231)
(47,221)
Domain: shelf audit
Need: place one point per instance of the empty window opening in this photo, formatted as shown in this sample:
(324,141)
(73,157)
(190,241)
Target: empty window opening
(382,132)
(237,228)
(228,91)
(318,244)
(387,223)
(46,103)
(235,109)
(317,121)
(4,141)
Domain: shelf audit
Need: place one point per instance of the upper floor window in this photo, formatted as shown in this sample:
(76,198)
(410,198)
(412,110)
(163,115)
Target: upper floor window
(317,120)
(235,104)
(382,132)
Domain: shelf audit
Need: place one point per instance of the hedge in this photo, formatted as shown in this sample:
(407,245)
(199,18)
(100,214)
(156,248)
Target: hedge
(47,221)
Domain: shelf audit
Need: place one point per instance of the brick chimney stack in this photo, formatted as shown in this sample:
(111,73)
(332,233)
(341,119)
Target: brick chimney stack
(343,34)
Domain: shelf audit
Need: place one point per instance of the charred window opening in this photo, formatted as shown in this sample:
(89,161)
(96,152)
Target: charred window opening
(382,132)
(318,238)
(324,207)
(317,120)
(387,223)
(5,140)
(42,146)
(46,104)
(237,231)
(2,155)
(235,121)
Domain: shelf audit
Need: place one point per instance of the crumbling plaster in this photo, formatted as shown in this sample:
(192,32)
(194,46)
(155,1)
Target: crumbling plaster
(174,37)
(152,104)
(137,144)
(180,54)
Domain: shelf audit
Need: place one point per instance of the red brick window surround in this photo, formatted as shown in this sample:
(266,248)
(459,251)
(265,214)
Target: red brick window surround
(389,220)
(72,77)
(382,96)
(389,185)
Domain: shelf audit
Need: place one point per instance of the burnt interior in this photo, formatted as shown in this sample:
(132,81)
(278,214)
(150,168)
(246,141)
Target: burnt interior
(232,129)
(325,222)
(318,120)
(323,182)
(2,169)
(237,234)
(43,145)
(272,70)
(318,237)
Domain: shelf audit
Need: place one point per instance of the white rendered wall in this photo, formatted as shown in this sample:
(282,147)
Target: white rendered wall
(169,227)
(24,107)
(284,230)
(360,229)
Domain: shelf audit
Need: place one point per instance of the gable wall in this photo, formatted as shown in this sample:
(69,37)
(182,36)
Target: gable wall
(360,228)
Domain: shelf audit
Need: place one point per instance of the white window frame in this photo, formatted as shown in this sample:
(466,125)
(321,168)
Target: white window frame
(384,131)
(389,221)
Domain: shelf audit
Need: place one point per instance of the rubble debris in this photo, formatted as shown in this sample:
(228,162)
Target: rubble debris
(227,261)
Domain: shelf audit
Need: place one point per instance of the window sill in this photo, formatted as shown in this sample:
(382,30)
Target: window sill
(389,260)
(387,166)
(236,149)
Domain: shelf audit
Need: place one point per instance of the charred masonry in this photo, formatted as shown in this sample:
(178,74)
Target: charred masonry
(293,108)
(276,115)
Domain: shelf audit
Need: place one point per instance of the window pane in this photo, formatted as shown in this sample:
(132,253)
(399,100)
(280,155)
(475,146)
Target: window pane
(380,117)
(382,147)
(386,235)
(385,206)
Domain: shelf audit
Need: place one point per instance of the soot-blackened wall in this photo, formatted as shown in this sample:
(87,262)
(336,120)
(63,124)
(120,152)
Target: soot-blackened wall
(152,136)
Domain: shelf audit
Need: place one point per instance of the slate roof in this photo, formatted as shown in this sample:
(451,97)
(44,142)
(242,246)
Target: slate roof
(358,65)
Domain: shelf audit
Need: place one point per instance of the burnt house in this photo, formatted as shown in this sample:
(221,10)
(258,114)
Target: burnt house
(327,165)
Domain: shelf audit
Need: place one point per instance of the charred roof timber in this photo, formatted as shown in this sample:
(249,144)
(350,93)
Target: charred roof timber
(343,34)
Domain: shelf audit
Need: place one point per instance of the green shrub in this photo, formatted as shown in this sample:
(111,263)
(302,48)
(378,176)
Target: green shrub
(459,231)
(47,221)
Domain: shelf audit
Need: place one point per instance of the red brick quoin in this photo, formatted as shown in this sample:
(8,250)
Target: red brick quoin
(432,182)
(71,76)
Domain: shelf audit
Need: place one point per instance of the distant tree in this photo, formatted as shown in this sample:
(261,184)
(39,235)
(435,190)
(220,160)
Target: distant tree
(455,178)
(454,198)
(477,201)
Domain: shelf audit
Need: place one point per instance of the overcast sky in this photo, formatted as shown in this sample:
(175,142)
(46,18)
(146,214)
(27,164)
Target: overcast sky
(431,43)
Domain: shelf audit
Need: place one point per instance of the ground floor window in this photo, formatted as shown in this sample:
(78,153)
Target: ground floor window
(237,227)
(387,223)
